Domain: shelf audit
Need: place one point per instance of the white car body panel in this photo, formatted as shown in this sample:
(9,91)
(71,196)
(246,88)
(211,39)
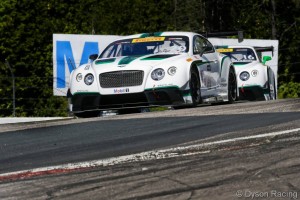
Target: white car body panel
(212,69)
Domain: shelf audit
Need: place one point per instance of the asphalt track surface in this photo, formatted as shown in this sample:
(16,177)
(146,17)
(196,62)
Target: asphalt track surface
(258,168)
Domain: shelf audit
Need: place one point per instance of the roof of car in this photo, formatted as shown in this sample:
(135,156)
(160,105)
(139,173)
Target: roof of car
(157,34)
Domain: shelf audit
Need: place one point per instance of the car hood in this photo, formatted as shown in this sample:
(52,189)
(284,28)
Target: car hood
(133,62)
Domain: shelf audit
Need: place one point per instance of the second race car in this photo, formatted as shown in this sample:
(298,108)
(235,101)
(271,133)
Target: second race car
(256,80)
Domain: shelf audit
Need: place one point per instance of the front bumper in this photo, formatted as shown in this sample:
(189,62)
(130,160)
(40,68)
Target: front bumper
(151,97)
(253,93)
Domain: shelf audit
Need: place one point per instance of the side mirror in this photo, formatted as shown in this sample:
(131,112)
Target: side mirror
(93,57)
(265,59)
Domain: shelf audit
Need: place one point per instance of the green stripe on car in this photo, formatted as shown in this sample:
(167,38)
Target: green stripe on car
(105,61)
(127,60)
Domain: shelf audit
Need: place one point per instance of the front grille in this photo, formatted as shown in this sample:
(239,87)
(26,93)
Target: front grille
(121,79)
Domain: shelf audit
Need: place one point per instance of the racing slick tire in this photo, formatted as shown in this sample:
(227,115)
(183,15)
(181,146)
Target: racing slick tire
(272,90)
(195,87)
(232,86)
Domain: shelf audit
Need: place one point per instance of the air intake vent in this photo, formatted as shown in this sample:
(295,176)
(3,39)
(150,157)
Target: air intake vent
(121,79)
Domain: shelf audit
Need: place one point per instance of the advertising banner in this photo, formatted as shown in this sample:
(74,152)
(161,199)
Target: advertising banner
(71,51)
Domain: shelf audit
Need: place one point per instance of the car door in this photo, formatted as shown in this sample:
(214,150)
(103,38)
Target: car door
(209,67)
(202,65)
(210,54)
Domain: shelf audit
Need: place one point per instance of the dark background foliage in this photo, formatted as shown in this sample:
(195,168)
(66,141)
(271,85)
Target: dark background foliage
(26,28)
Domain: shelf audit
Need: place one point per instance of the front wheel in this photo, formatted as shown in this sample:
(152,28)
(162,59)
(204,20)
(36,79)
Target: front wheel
(195,87)
(272,90)
(232,86)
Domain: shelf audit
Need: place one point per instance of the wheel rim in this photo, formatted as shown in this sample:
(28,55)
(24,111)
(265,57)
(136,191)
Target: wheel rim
(232,86)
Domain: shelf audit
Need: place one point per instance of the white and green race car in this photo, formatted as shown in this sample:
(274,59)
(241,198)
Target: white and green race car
(256,80)
(144,70)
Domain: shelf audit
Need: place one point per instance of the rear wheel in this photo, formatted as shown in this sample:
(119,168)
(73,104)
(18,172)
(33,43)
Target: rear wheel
(195,87)
(232,86)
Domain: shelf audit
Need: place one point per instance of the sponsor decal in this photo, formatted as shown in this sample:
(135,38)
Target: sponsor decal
(224,50)
(121,91)
(149,39)
(189,60)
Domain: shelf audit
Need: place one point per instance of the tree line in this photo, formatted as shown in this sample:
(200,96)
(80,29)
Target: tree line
(26,28)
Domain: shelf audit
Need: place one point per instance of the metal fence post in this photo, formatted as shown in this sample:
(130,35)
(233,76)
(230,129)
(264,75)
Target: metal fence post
(13,86)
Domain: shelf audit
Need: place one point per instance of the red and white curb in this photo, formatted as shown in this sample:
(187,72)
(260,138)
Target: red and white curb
(144,156)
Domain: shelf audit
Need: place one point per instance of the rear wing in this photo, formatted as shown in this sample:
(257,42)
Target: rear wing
(265,49)
(257,49)
(240,34)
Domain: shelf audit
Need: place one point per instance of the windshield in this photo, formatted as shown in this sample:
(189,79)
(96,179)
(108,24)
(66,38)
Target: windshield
(148,45)
(241,55)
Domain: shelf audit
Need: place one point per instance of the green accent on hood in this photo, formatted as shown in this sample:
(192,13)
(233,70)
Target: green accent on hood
(127,60)
(105,61)
(158,57)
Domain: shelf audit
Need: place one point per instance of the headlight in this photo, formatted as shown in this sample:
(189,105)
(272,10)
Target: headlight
(79,77)
(172,71)
(244,76)
(89,79)
(158,74)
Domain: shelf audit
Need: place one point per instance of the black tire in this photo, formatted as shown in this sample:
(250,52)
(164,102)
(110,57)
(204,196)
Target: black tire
(195,87)
(232,86)
(272,94)
(271,88)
